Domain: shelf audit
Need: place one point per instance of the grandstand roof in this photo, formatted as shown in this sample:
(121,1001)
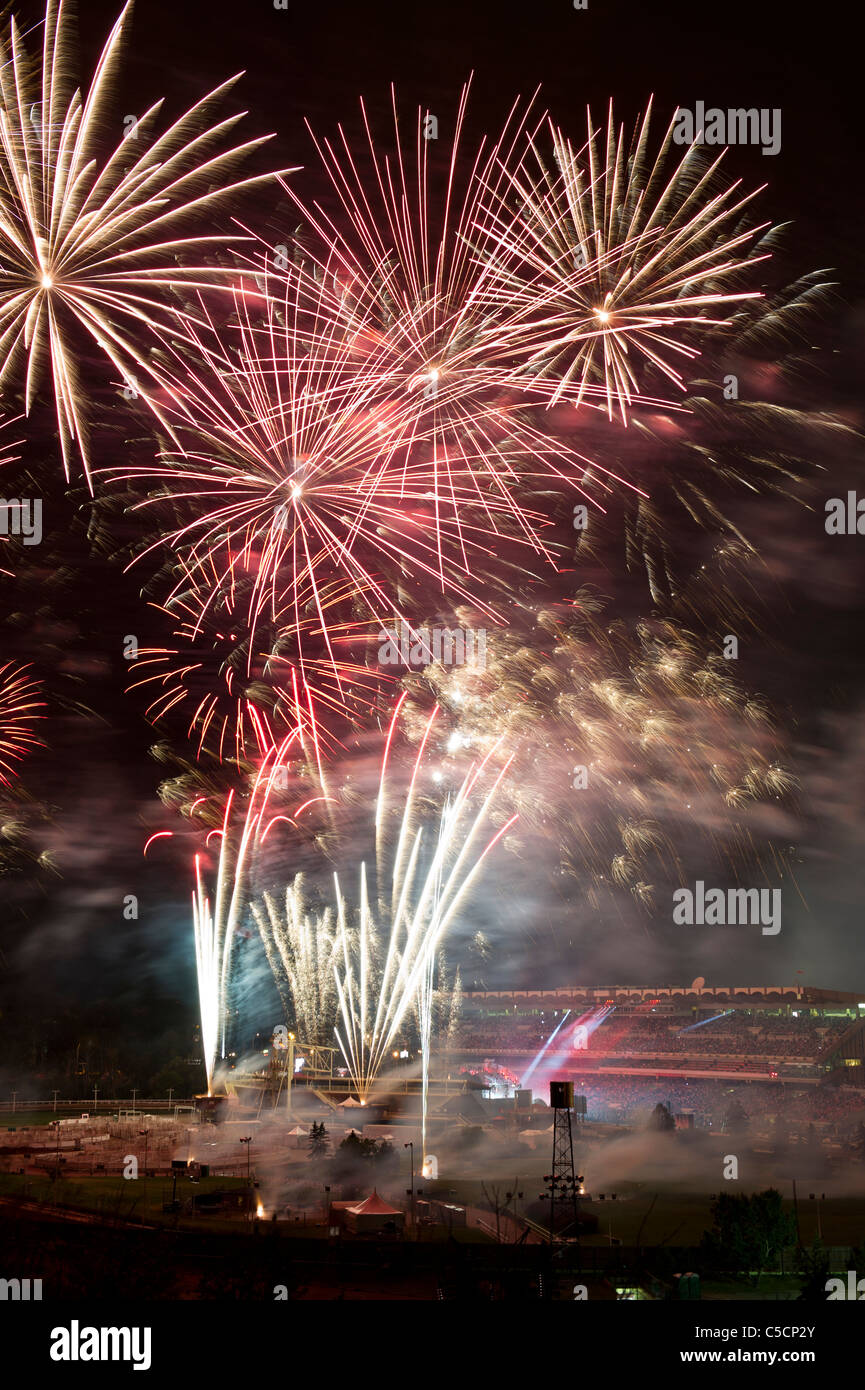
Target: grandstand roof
(748,994)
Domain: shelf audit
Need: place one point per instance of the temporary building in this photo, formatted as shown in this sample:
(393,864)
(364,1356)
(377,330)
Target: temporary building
(374,1215)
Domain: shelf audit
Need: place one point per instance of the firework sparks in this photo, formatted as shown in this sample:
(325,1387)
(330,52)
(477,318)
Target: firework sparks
(301,499)
(90,243)
(715,462)
(423,304)
(218,916)
(19,706)
(624,744)
(243,698)
(386,943)
(619,260)
(301,944)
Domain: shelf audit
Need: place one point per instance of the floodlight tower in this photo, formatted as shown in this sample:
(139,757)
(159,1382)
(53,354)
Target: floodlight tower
(282,1062)
(563,1184)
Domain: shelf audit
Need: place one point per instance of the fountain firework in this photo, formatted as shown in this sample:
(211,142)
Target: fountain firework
(380,950)
(216,919)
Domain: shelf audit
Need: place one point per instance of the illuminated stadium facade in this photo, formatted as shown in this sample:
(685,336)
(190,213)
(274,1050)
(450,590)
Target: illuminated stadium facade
(777,1033)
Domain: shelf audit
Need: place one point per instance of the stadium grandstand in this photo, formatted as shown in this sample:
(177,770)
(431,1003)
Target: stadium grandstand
(777,1048)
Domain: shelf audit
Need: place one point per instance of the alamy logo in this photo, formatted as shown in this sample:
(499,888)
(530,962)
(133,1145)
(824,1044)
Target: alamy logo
(76,1343)
(739,126)
(20,1290)
(457,646)
(845,517)
(742,907)
(22,516)
(854,1290)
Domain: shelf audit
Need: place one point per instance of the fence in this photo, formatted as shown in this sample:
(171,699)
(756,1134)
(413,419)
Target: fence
(87,1105)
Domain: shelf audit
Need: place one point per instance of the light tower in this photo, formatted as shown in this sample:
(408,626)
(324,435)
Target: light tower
(563,1184)
(282,1062)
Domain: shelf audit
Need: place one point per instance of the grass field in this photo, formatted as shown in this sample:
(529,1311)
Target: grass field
(116,1199)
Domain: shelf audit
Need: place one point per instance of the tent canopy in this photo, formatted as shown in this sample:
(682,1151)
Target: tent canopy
(374,1206)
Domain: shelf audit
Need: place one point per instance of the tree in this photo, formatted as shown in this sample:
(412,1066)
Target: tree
(498,1204)
(354,1147)
(177,1076)
(857,1258)
(736,1119)
(813,1265)
(371,1150)
(749,1231)
(319,1143)
(661,1119)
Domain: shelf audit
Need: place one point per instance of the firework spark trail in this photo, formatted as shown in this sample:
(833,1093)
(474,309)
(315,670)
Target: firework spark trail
(207,965)
(425,307)
(218,917)
(663,741)
(300,945)
(93,244)
(19,706)
(242,696)
(9,522)
(299,499)
(379,981)
(367,959)
(614,252)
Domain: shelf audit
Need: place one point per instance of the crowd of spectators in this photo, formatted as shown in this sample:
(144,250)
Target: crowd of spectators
(836,1110)
(737,1034)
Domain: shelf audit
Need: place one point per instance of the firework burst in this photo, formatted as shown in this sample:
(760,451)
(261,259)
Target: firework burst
(613,261)
(423,304)
(300,942)
(241,696)
(748,431)
(381,944)
(19,706)
(301,502)
(626,744)
(90,245)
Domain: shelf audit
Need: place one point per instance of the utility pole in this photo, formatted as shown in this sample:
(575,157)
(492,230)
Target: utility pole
(410,1146)
(248,1142)
(289,1076)
(145,1133)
